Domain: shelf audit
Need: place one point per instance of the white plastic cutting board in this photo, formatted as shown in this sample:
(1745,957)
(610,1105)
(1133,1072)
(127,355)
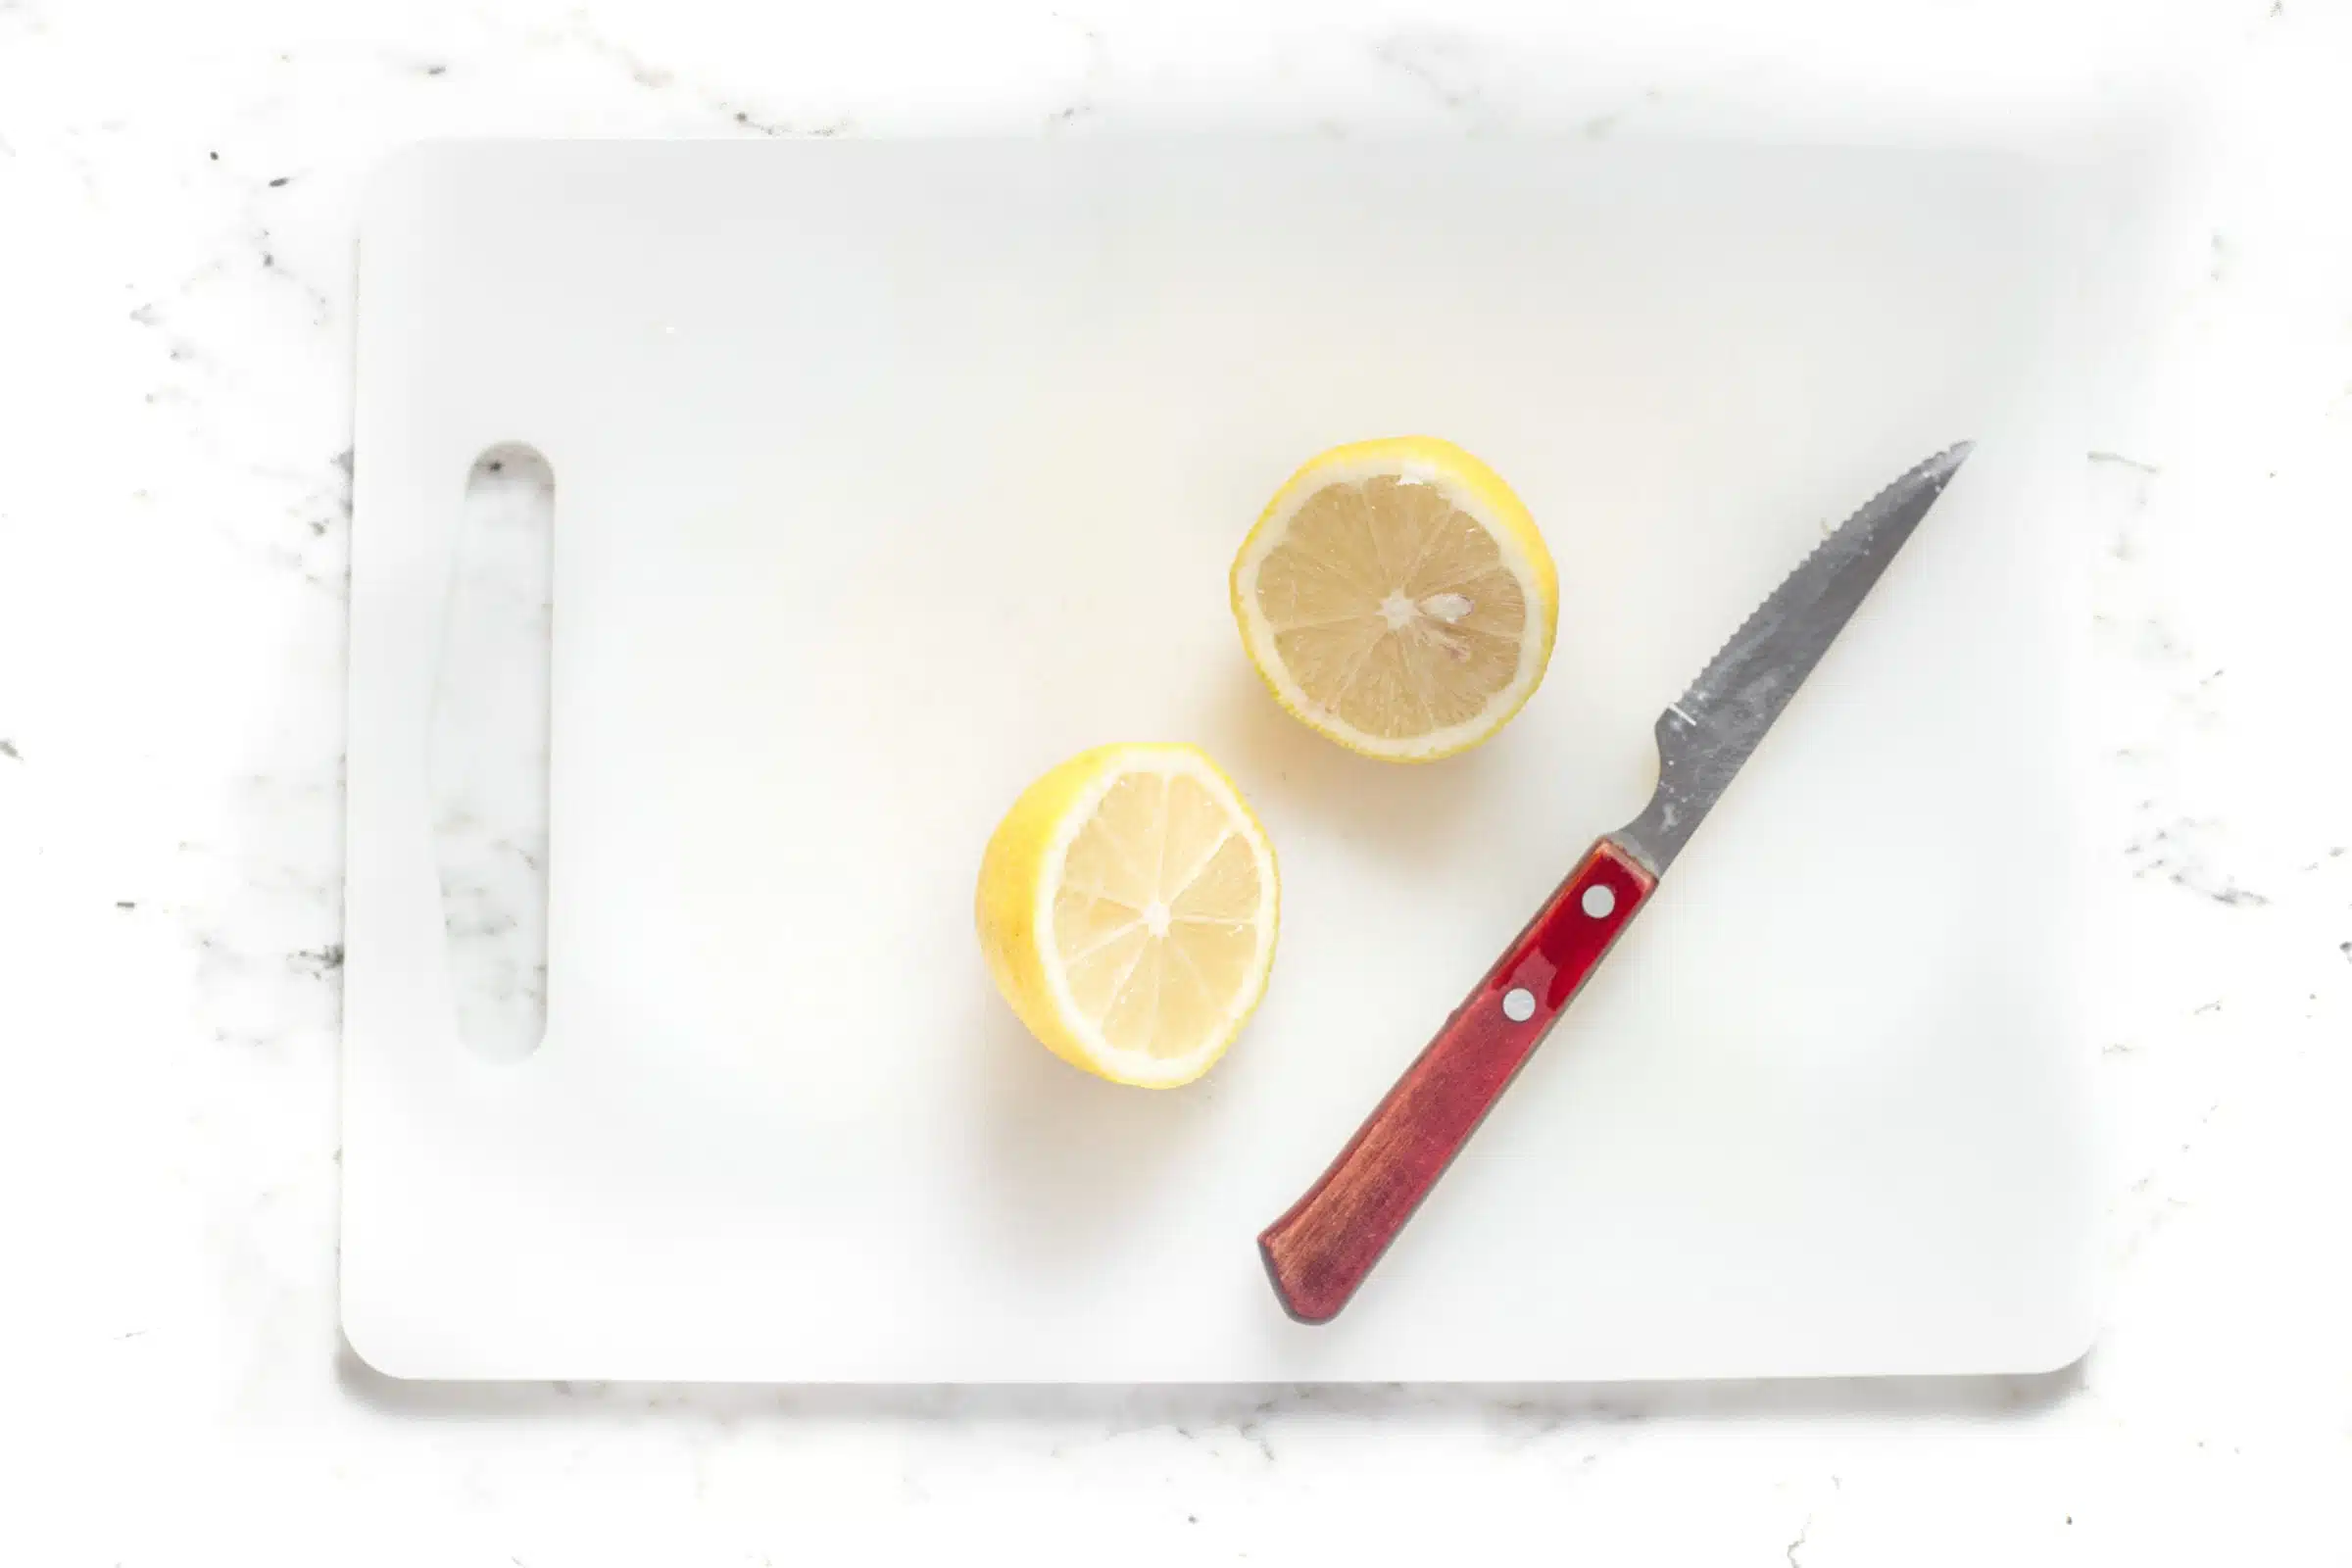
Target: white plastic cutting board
(889,474)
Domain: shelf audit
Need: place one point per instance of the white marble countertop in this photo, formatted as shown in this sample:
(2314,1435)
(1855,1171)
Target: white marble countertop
(179,188)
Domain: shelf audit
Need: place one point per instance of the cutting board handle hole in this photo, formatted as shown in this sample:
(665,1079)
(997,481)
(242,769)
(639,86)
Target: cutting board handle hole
(487,760)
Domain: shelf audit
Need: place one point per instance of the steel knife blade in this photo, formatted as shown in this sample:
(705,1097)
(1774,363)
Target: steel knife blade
(1323,1247)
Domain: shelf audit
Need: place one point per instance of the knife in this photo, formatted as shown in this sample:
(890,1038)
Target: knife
(1320,1251)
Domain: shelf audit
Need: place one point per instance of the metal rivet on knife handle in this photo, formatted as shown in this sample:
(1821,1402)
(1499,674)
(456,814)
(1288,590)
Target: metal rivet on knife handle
(1320,1251)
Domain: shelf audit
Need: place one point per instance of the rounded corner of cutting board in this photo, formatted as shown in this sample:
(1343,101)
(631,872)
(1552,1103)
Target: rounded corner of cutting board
(376,1344)
(2069,1343)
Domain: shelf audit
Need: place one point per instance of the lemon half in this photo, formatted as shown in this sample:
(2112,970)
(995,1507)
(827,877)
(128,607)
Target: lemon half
(1397,596)
(1127,908)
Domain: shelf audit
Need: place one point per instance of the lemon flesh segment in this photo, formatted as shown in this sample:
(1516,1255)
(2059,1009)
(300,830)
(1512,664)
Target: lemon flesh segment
(1397,596)
(1128,907)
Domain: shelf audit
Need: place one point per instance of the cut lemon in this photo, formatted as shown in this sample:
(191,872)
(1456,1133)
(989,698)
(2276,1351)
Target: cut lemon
(1398,599)
(1127,909)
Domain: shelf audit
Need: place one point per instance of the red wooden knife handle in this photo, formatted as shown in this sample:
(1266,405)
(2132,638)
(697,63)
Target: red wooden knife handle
(1320,1251)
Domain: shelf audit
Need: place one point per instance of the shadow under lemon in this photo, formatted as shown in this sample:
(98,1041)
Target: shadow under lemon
(1071,1160)
(1419,814)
